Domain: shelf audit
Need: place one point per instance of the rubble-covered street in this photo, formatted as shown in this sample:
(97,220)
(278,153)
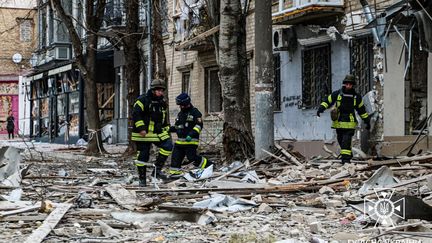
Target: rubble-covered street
(54,193)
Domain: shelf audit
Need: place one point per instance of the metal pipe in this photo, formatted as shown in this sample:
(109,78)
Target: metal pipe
(369,17)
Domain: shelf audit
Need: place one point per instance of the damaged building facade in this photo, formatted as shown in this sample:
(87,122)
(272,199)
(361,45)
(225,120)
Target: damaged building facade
(192,63)
(17,35)
(317,43)
(55,88)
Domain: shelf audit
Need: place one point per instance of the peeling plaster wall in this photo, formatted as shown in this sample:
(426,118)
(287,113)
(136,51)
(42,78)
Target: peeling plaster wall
(394,91)
(302,124)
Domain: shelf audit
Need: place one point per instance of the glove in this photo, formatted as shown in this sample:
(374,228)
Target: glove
(188,138)
(143,133)
(318,113)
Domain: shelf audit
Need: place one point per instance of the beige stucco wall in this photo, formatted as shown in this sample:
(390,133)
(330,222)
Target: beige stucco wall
(10,40)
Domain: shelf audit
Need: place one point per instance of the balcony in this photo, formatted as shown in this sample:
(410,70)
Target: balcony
(289,12)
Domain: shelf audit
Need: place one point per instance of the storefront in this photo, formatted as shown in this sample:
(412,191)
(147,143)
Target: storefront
(57,110)
(8,101)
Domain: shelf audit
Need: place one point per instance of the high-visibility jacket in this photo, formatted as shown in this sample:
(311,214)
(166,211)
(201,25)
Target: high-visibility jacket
(345,103)
(188,123)
(150,114)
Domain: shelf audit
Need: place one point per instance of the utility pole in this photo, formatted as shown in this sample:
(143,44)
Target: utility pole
(149,47)
(264,118)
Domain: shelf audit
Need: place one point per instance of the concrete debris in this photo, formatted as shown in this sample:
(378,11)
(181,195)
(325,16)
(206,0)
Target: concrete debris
(207,218)
(382,178)
(14,195)
(222,203)
(264,208)
(70,197)
(326,190)
(251,177)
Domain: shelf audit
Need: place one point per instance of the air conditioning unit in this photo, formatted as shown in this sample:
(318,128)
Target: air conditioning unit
(280,39)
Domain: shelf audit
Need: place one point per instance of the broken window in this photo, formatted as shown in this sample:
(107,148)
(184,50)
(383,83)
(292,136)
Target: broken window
(186,82)
(416,96)
(316,75)
(361,51)
(213,93)
(277,81)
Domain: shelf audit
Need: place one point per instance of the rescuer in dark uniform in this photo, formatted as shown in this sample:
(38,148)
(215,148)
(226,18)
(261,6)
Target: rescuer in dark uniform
(188,127)
(151,127)
(343,116)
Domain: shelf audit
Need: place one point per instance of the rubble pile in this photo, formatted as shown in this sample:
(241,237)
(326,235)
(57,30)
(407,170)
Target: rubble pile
(54,194)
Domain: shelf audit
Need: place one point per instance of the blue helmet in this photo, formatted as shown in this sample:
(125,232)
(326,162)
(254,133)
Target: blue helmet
(183,99)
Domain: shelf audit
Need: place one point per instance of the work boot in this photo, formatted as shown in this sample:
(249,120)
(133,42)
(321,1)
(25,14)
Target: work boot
(204,163)
(344,161)
(159,174)
(175,174)
(142,176)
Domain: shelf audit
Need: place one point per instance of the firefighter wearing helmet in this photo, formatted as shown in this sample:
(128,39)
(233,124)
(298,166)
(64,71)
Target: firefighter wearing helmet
(345,102)
(151,127)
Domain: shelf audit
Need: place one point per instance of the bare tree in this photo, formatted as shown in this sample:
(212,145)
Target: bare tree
(130,40)
(237,139)
(86,62)
(161,71)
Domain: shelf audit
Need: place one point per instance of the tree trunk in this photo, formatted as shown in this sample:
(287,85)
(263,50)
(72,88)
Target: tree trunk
(95,145)
(132,62)
(237,139)
(161,71)
(264,122)
(94,23)
(87,65)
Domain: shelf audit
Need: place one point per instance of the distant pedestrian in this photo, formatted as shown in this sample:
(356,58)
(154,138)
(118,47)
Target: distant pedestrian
(10,126)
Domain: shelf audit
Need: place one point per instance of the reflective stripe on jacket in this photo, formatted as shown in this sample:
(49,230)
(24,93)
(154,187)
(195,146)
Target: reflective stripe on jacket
(345,104)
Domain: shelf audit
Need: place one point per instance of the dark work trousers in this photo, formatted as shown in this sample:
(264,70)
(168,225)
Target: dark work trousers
(11,134)
(190,151)
(344,137)
(165,148)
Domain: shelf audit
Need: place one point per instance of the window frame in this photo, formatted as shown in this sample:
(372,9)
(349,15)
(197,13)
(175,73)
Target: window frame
(185,84)
(208,91)
(319,98)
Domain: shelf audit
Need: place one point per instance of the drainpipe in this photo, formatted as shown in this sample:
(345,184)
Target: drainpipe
(369,17)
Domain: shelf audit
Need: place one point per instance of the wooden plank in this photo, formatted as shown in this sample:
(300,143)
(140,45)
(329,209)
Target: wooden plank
(49,223)
(6,205)
(236,169)
(276,157)
(288,155)
(197,38)
(420,159)
(21,210)
(23,218)
(122,196)
(107,230)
